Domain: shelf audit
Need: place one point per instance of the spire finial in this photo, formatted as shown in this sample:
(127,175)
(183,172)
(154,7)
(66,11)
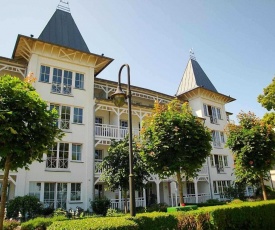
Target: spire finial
(64,6)
(192,54)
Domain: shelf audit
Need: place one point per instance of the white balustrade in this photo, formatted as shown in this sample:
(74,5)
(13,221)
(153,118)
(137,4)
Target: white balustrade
(115,203)
(203,170)
(112,131)
(189,198)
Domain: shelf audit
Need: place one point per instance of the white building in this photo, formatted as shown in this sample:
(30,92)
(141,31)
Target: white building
(68,79)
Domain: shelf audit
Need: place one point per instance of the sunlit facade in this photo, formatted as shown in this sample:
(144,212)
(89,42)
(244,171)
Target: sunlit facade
(68,79)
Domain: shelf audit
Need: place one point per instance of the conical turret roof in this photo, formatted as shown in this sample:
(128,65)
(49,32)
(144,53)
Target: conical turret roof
(62,30)
(194,77)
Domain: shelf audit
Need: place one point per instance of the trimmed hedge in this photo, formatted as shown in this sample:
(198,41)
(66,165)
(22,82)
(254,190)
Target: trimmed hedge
(152,221)
(254,215)
(41,222)
(155,221)
(182,208)
(99,223)
(246,215)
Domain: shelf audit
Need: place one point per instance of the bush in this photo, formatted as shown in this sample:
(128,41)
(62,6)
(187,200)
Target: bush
(47,211)
(245,215)
(10,224)
(114,212)
(237,191)
(161,207)
(100,205)
(236,201)
(41,223)
(60,212)
(213,201)
(29,206)
(195,220)
(110,223)
(155,221)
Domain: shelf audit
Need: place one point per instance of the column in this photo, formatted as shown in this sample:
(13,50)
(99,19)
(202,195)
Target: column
(196,190)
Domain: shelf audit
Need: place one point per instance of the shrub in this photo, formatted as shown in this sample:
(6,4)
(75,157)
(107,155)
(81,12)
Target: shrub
(155,221)
(29,206)
(114,212)
(110,223)
(213,201)
(237,191)
(100,205)
(59,212)
(10,224)
(47,211)
(236,201)
(41,223)
(161,207)
(195,220)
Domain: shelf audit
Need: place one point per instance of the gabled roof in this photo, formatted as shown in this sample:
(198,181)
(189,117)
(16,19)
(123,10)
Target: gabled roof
(62,30)
(194,77)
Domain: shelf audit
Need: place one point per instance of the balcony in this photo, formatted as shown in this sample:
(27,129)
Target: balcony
(203,171)
(112,131)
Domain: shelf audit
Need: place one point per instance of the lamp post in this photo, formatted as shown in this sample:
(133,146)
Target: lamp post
(119,99)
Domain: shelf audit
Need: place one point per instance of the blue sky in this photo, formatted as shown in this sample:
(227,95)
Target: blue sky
(233,41)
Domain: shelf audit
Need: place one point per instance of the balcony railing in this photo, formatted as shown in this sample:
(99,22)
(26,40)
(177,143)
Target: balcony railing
(112,131)
(203,170)
(119,204)
(189,198)
(54,162)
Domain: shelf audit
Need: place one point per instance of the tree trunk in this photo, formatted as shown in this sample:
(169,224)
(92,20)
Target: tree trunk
(180,187)
(263,187)
(125,201)
(4,190)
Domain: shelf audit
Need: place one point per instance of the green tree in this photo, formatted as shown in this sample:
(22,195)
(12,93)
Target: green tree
(174,141)
(252,142)
(267,99)
(269,118)
(115,168)
(27,128)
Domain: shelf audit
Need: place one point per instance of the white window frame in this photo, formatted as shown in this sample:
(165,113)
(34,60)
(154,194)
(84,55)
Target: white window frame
(62,81)
(220,186)
(75,194)
(76,152)
(220,163)
(56,159)
(78,115)
(79,81)
(215,113)
(64,115)
(44,74)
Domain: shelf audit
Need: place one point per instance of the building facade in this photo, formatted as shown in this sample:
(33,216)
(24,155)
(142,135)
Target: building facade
(67,79)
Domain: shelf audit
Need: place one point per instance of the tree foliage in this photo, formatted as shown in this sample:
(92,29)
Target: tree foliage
(27,128)
(269,118)
(115,167)
(252,143)
(267,99)
(174,141)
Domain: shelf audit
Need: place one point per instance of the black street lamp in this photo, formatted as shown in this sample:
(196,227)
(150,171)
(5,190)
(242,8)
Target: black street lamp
(119,99)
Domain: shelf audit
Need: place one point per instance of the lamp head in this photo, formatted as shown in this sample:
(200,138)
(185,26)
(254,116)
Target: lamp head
(118,97)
